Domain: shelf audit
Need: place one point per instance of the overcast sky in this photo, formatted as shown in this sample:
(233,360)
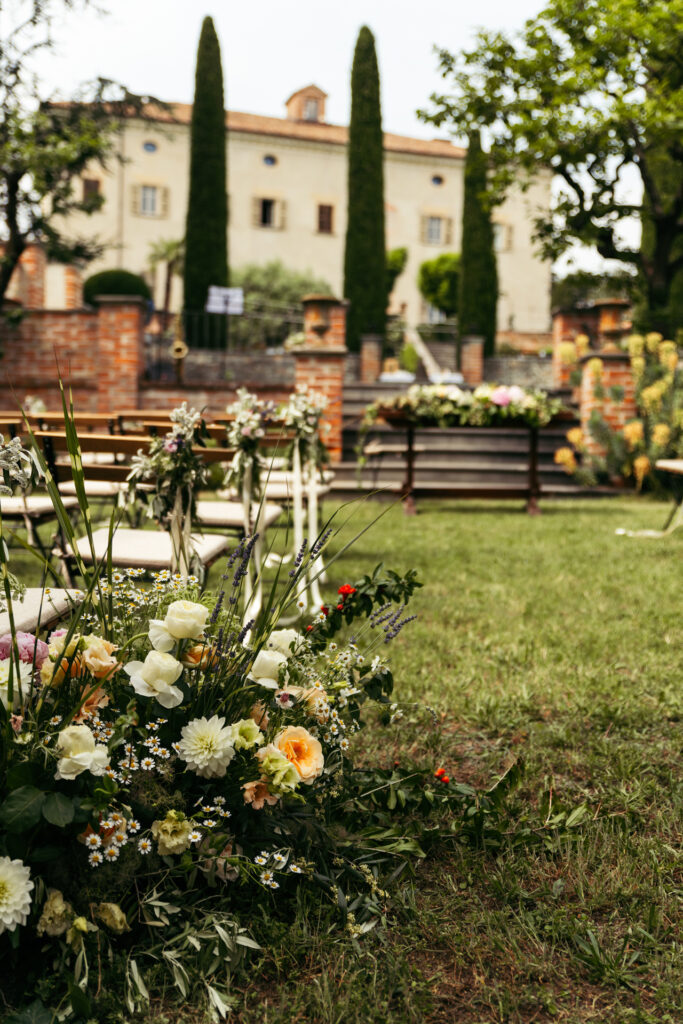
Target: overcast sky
(271,48)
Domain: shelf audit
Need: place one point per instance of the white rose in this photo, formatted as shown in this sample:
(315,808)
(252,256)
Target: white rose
(155,678)
(21,682)
(282,639)
(81,753)
(266,668)
(185,620)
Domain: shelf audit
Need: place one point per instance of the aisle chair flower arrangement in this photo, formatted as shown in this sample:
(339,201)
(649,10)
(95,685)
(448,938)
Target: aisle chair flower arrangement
(155,766)
(177,474)
(304,413)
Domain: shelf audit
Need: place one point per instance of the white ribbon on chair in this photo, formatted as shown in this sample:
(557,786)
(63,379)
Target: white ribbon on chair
(181,533)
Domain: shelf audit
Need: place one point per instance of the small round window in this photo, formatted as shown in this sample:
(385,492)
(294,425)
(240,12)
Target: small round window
(149,147)
(270,160)
(437,179)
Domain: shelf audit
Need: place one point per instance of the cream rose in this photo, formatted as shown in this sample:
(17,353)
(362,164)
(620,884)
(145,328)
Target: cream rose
(266,668)
(302,750)
(155,678)
(185,620)
(98,657)
(80,753)
(282,639)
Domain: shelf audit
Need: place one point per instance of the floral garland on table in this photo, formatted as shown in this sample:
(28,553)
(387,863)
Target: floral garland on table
(174,756)
(441,405)
(177,472)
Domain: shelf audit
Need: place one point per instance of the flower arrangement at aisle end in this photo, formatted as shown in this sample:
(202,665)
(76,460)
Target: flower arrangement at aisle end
(605,454)
(148,760)
(249,418)
(447,405)
(18,470)
(303,413)
(177,473)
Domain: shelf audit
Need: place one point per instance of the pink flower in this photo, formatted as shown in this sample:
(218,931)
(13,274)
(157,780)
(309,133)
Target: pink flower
(171,445)
(26,645)
(16,721)
(247,431)
(501,396)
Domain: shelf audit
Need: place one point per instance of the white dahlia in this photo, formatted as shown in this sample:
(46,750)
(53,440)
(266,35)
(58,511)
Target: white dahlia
(207,746)
(15,893)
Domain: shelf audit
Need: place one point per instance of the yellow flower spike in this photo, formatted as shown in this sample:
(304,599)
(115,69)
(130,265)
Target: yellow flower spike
(595,368)
(641,467)
(565,457)
(575,437)
(633,433)
(652,341)
(661,434)
(582,341)
(567,353)
(635,345)
(637,366)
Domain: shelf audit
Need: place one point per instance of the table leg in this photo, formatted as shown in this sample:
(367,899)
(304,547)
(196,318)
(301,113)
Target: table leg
(408,489)
(532,506)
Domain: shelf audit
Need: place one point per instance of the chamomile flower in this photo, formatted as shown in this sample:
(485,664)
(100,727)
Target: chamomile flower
(163,753)
(111,853)
(209,823)
(93,841)
(295,869)
(219,800)
(273,884)
(144,846)
(133,825)
(55,720)
(119,838)
(267,877)
(147,763)
(194,836)
(260,859)
(279,859)
(343,743)
(95,858)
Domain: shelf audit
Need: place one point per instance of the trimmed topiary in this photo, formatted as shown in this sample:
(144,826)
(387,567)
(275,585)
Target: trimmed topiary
(114,282)
(478,271)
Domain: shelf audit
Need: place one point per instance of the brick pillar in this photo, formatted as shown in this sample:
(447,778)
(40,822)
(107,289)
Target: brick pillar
(120,355)
(73,288)
(606,370)
(319,363)
(370,358)
(472,359)
(34,263)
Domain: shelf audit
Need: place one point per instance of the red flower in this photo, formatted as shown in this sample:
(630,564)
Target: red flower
(444,778)
(346,589)
(324,609)
(339,607)
(439,772)
(309,628)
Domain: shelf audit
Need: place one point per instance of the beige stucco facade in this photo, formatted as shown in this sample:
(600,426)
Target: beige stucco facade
(300,166)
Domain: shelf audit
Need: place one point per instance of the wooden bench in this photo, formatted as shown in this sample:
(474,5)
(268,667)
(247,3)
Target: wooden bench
(39,610)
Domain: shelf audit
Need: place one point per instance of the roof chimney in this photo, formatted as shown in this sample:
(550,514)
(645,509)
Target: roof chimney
(308,104)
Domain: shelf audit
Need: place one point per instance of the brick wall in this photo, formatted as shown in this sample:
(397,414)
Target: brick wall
(212,399)
(319,364)
(370,358)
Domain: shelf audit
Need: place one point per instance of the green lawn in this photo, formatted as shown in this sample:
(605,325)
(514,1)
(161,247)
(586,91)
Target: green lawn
(553,640)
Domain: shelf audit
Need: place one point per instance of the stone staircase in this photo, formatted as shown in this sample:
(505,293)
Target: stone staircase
(454,461)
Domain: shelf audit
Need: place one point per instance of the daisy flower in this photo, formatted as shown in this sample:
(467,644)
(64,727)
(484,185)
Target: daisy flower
(95,858)
(144,845)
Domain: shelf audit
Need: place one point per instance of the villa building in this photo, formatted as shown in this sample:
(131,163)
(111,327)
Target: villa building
(287,201)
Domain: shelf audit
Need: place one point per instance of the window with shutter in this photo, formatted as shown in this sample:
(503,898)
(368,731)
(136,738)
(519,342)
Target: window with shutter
(281,215)
(91,188)
(325,219)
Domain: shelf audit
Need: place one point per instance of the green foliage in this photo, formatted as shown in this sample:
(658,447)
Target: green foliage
(206,245)
(478,285)
(408,358)
(396,264)
(668,178)
(272,301)
(586,91)
(365,262)
(114,282)
(439,282)
(584,285)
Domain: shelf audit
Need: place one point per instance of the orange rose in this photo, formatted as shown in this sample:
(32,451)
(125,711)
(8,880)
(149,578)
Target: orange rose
(95,699)
(302,750)
(98,657)
(199,656)
(257,794)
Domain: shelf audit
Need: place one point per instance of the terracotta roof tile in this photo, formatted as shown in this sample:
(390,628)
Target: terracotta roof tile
(310,131)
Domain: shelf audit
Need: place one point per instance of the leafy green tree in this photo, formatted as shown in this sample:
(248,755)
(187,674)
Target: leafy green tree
(365,284)
(272,301)
(206,245)
(438,281)
(478,284)
(584,286)
(587,91)
(44,147)
(669,178)
(396,264)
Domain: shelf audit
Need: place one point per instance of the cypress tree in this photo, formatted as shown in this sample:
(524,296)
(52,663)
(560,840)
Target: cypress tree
(206,244)
(668,319)
(478,272)
(364,257)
